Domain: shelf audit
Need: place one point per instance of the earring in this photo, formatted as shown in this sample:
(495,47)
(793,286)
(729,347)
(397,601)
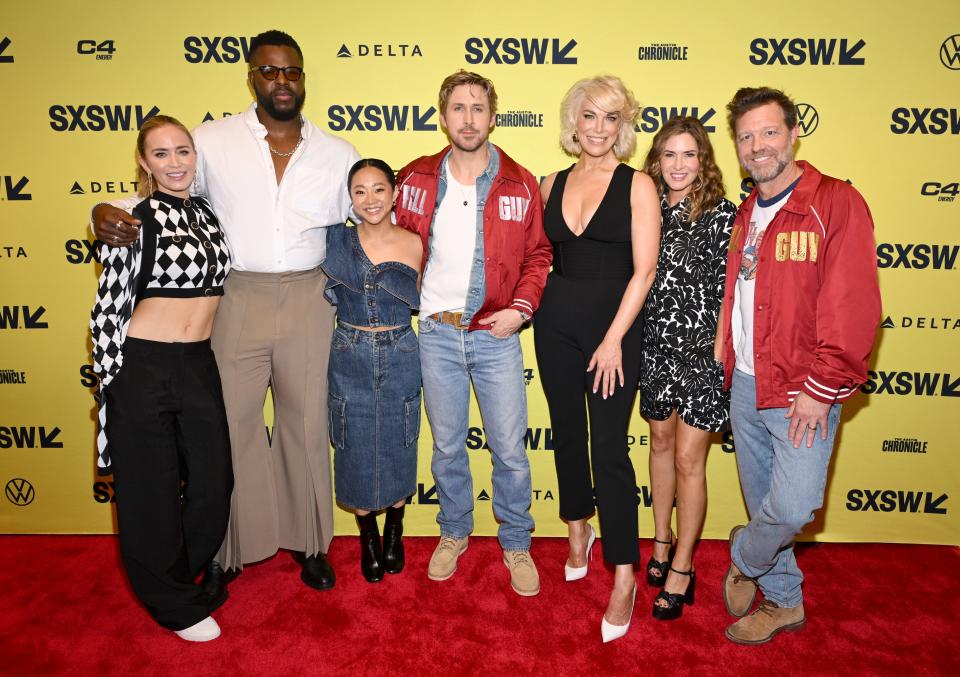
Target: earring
(574,137)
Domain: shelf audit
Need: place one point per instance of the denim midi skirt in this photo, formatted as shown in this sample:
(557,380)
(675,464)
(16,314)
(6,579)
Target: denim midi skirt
(374,409)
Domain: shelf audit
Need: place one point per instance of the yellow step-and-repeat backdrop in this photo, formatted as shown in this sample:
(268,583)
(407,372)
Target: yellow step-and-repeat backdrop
(878,94)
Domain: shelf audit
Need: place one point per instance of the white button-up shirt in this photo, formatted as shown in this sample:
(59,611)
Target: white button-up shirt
(272,228)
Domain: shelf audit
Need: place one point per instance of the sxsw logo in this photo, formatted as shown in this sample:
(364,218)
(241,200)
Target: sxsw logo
(99,117)
(379,49)
(20,492)
(22,317)
(917,256)
(376,117)
(12,376)
(919,383)
(807,119)
(29,437)
(88,378)
(801,51)
(80,251)
(12,251)
(217,49)
(425,495)
(104,492)
(919,322)
(891,500)
(13,188)
(944,192)
(534,440)
(520,50)
(95,187)
(103,49)
(949,52)
(4,57)
(925,121)
(652,118)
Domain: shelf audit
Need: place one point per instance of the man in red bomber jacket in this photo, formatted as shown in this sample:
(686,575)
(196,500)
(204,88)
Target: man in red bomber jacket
(480,216)
(800,314)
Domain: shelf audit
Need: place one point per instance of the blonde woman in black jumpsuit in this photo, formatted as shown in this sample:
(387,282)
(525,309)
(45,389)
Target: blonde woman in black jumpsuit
(603,219)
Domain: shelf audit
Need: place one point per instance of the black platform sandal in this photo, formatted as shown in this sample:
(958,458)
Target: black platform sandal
(675,601)
(660,577)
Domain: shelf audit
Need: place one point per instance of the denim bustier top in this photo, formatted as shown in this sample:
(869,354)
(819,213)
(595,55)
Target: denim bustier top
(367,295)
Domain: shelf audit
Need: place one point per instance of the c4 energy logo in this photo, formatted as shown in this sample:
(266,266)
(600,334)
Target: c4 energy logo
(29,437)
(4,56)
(511,51)
(103,49)
(949,52)
(803,51)
(22,317)
(944,192)
(917,256)
(653,117)
(20,492)
(808,119)
(919,383)
(99,117)
(896,500)
(921,322)
(925,121)
(14,188)
(217,49)
(662,51)
(379,49)
(377,117)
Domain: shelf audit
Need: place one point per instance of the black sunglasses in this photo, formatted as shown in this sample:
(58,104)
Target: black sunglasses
(291,73)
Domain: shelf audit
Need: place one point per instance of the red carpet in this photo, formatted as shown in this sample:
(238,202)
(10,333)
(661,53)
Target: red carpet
(871,609)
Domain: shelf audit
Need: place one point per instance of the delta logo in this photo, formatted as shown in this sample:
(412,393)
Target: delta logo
(652,118)
(917,256)
(29,437)
(512,51)
(944,192)
(22,317)
(935,121)
(381,117)
(896,500)
(99,117)
(14,188)
(917,383)
(378,49)
(806,51)
(12,251)
(114,186)
(935,323)
(216,49)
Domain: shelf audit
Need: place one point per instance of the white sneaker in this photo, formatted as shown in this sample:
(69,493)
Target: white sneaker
(204,631)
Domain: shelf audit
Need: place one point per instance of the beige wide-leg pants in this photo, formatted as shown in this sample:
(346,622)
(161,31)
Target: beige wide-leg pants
(275,329)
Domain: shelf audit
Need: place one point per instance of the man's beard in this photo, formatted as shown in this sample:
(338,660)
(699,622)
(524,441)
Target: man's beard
(265,101)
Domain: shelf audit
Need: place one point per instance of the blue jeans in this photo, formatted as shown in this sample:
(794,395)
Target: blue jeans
(450,359)
(782,486)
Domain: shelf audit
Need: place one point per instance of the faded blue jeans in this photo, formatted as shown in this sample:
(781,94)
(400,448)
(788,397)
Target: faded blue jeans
(782,486)
(450,359)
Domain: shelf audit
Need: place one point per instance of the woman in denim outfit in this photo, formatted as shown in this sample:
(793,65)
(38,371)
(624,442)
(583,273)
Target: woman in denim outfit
(374,373)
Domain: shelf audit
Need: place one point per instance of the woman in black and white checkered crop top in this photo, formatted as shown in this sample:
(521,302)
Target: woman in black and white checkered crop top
(163,429)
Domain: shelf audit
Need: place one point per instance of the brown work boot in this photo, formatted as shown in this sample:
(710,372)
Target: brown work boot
(523,572)
(739,591)
(768,619)
(443,563)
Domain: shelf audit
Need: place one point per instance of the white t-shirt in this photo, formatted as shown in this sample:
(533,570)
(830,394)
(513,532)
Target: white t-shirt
(453,238)
(761,216)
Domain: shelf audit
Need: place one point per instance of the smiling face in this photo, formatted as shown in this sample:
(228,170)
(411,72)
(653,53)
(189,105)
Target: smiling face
(169,156)
(281,99)
(680,163)
(764,142)
(468,118)
(597,129)
(372,195)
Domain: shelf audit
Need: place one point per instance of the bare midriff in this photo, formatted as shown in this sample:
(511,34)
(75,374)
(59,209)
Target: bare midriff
(173,320)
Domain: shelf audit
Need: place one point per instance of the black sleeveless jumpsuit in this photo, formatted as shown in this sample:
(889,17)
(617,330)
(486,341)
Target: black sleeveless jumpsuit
(583,292)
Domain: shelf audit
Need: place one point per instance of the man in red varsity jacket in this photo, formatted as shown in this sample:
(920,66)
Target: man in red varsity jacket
(800,313)
(480,216)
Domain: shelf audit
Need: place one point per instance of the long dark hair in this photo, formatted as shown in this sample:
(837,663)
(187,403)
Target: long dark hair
(376,164)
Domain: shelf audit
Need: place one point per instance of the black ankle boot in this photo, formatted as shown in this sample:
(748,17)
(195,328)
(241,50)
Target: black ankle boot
(371,550)
(393,540)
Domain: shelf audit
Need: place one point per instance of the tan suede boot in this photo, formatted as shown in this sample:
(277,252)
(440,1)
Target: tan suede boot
(768,619)
(739,591)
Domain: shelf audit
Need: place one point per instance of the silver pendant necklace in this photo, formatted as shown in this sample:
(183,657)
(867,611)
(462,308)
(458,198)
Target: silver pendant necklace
(279,154)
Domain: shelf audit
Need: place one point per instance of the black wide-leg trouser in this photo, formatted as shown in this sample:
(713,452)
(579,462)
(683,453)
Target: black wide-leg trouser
(170,447)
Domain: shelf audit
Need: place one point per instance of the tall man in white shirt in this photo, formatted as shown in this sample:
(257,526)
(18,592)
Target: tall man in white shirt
(275,182)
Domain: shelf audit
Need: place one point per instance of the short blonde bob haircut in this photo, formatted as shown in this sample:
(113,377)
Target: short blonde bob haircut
(608,93)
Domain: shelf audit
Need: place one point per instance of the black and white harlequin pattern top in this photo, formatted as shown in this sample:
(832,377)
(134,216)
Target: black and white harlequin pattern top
(181,253)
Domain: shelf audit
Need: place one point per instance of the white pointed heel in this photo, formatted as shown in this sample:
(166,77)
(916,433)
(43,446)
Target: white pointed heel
(609,631)
(204,631)
(576,573)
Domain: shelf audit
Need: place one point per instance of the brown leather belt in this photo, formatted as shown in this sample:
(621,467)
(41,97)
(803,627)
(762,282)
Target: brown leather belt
(446,317)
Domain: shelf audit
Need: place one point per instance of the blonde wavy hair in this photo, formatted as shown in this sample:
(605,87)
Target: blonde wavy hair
(145,183)
(708,186)
(609,94)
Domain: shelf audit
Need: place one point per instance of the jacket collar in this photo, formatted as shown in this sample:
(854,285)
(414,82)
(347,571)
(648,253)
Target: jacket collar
(508,169)
(801,197)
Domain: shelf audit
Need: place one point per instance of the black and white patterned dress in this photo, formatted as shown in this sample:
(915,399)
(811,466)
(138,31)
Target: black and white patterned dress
(679,371)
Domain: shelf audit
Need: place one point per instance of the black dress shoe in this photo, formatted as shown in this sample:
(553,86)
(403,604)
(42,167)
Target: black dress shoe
(317,572)
(371,550)
(393,558)
(214,583)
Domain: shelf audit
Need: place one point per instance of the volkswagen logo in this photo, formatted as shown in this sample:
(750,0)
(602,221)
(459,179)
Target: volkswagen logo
(807,118)
(20,491)
(950,52)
